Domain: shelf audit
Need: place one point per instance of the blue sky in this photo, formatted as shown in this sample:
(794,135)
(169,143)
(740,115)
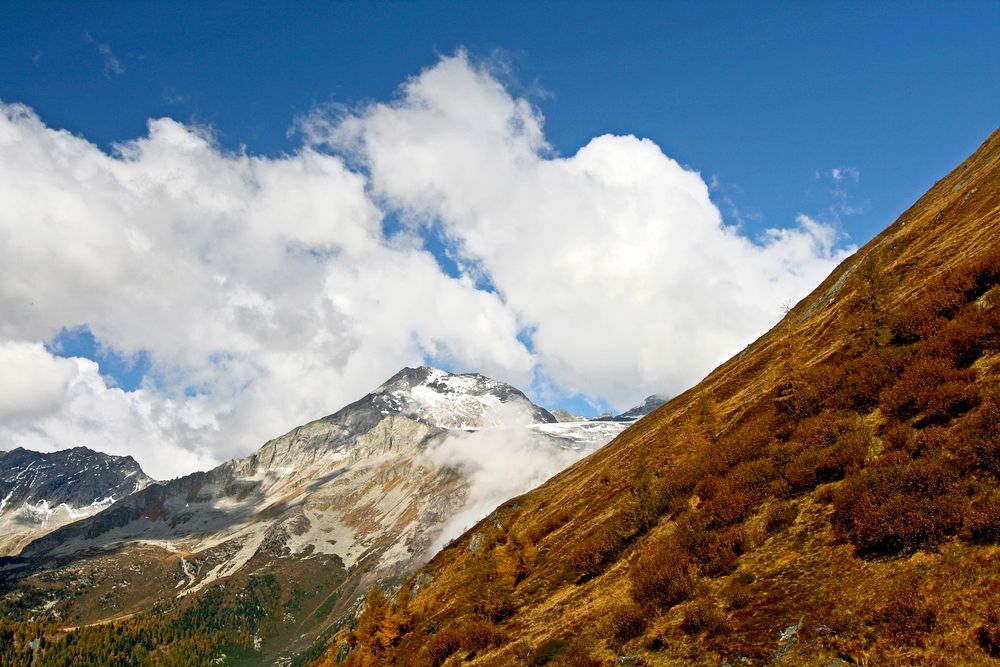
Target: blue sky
(759,95)
(823,121)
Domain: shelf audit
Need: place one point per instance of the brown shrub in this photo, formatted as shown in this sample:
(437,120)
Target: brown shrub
(642,503)
(933,388)
(975,440)
(898,505)
(822,449)
(912,323)
(443,643)
(966,337)
(628,621)
(691,532)
(709,487)
(714,550)
(824,494)
(906,616)
(731,506)
(779,515)
(982,521)
(950,399)
(479,634)
(929,441)
(834,462)
(490,587)
(679,483)
(988,636)
(754,475)
(863,378)
(803,395)
(823,430)
(719,556)
(704,615)
(594,552)
(738,595)
(748,440)
(547,525)
(661,576)
(921,317)
(829,464)
(897,436)
(801,472)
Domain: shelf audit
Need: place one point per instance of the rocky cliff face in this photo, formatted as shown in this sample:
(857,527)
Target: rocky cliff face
(40,492)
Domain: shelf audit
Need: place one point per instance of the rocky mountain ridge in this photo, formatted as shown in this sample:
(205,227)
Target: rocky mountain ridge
(40,492)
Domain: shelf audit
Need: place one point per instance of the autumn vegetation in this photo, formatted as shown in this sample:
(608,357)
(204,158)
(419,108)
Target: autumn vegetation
(223,620)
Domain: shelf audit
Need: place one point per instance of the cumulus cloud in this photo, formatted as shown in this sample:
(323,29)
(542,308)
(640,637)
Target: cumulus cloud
(265,291)
(42,380)
(615,257)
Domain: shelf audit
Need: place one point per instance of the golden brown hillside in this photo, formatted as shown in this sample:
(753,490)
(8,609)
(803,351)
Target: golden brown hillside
(828,496)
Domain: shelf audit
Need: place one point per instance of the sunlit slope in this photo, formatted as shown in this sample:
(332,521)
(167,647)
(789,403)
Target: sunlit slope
(830,493)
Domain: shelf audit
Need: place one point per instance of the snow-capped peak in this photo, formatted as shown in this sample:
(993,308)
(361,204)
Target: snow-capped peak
(458,401)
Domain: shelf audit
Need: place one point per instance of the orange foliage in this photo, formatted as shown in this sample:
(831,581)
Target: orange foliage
(898,505)
(628,621)
(661,576)
(704,616)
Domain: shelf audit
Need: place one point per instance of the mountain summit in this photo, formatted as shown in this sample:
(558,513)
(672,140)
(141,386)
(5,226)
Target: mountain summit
(449,400)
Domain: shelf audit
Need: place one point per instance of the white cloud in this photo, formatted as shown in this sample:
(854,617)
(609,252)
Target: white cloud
(839,174)
(499,463)
(266,293)
(37,381)
(615,256)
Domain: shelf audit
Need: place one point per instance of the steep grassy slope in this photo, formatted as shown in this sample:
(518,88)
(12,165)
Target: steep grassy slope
(829,494)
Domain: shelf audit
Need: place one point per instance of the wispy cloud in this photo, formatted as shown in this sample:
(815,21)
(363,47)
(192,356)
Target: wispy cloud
(840,185)
(841,174)
(845,180)
(172,97)
(725,195)
(112,66)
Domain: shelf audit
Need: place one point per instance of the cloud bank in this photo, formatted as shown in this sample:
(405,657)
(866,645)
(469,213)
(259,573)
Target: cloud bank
(499,464)
(267,291)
